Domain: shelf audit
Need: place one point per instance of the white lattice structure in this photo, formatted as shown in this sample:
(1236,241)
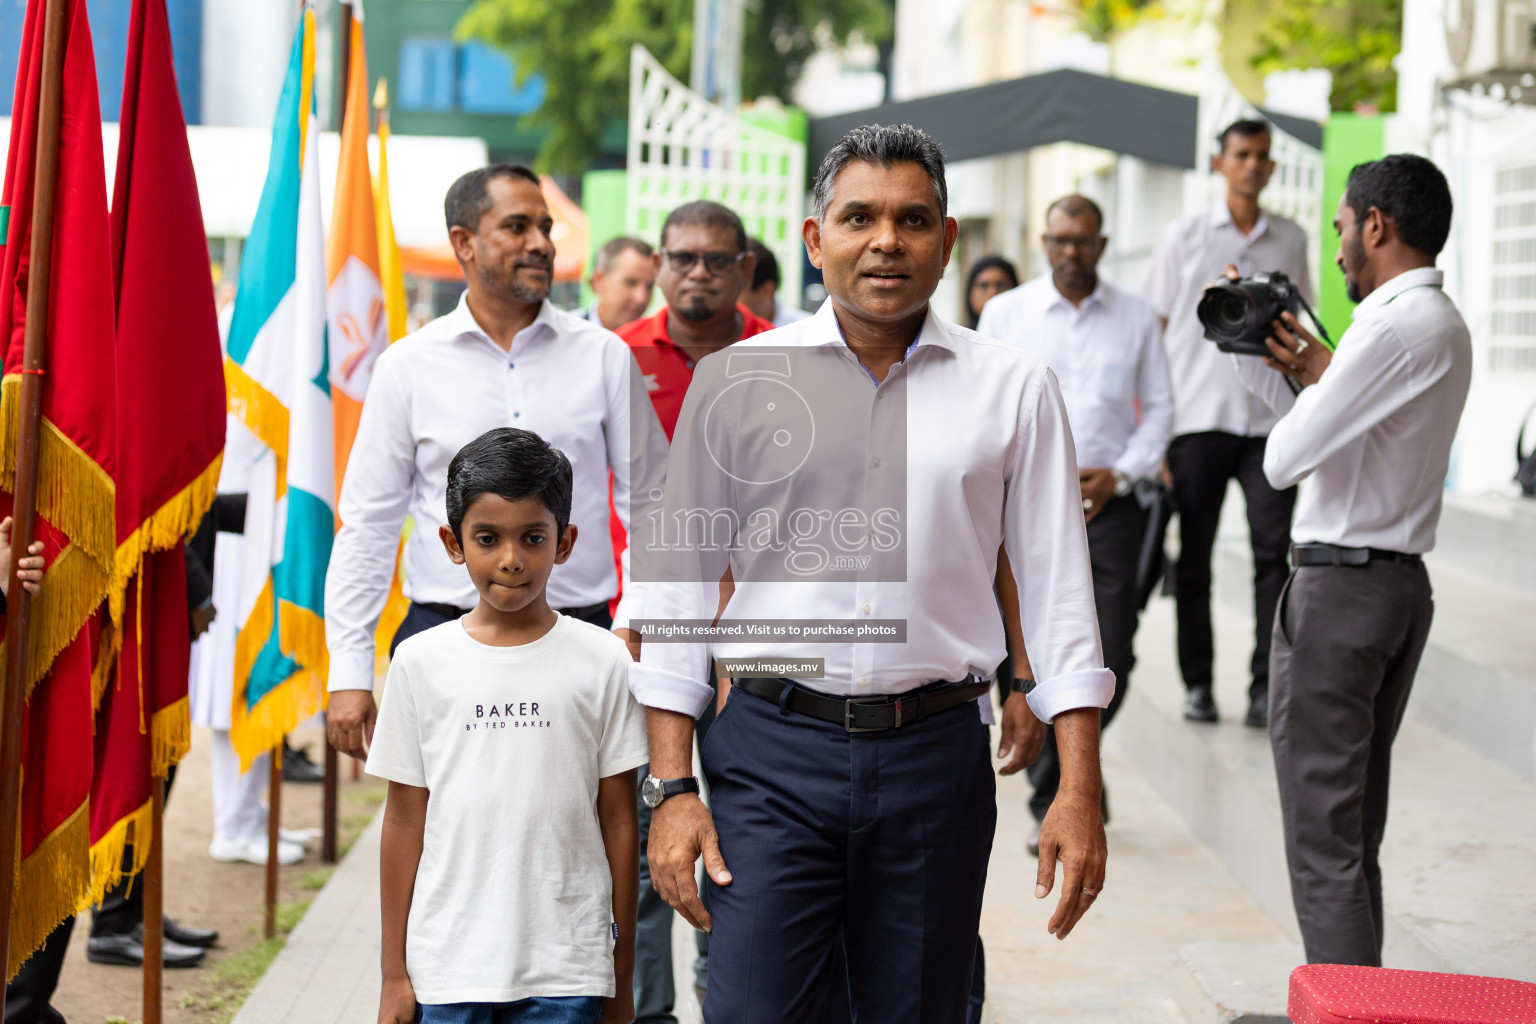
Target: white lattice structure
(1295,191)
(683,148)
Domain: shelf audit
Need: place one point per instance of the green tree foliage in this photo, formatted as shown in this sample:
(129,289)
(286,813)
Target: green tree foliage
(1101,20)
(1356,41)
(581,47)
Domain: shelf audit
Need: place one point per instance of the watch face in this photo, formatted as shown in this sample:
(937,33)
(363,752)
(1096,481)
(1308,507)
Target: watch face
(650,791)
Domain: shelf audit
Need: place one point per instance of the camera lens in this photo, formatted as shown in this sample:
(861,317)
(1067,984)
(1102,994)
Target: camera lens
(1231,310)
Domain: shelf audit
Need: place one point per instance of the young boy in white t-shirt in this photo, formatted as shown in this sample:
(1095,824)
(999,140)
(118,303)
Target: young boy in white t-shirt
(509,869)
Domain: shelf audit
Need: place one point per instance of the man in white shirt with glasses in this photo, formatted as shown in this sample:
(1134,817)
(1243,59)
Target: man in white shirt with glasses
(1104,345)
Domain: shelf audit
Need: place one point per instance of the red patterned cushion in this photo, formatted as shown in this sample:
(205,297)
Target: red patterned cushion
(1335,994)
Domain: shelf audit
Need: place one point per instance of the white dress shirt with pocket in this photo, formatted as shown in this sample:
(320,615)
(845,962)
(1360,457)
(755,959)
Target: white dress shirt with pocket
(1107,354)
(566,379)
(989,462)
(1193,252)
(1371,441)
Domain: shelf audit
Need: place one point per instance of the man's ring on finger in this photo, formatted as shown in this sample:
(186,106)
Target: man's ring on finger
(1301,345)
(1091,893)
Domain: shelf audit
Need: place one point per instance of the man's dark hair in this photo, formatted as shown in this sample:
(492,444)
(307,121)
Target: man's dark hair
(708,214)
(1076,206)
(469,198)
(1246,128)
(885,145)
(767,265)
(513,464)
(616,247)
(1409,189)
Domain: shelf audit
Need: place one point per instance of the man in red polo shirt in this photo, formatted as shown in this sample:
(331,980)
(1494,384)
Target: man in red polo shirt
(701,268)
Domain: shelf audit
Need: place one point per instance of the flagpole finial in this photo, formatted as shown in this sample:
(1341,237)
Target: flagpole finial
(381,95)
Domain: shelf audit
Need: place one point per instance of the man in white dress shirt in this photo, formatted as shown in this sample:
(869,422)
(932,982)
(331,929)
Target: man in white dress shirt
(1369,438)
(1218,428)
(504,357)
(1105,346)
(858,471)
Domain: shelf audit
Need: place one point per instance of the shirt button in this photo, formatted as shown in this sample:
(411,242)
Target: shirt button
(866,609)
(875,463)
(862,681)
(511,366)
(517,415)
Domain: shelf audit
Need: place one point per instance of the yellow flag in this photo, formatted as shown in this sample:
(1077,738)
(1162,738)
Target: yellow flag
(390,274)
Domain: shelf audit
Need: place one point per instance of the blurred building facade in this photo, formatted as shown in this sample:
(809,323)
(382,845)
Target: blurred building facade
(1466,82)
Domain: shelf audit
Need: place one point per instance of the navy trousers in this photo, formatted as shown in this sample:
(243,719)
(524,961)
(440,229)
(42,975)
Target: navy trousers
(882,838)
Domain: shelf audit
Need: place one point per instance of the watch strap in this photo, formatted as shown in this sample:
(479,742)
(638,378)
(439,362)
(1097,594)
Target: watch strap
(1024,685)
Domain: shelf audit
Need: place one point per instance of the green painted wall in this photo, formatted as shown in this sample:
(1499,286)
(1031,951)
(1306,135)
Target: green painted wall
(603,201)
(1348,139)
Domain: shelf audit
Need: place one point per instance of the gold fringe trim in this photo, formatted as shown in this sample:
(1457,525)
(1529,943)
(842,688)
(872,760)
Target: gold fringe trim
(51,884)
(254,731)
(72,590)
(170,736)
(262,413)
(171,523)
(131,832)
(104,668)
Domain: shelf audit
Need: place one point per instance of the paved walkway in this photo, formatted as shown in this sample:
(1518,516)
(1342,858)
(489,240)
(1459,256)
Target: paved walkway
(1164,890)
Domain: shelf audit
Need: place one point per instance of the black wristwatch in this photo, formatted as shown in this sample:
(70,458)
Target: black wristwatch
(1024,685)
(653,790)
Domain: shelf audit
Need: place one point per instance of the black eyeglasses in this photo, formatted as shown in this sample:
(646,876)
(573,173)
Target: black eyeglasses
(1082,243)
(716,263)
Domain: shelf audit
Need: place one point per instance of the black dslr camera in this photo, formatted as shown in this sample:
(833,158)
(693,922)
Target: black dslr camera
(1237,314)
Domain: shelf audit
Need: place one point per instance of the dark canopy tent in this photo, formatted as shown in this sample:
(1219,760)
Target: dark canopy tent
(1156,125)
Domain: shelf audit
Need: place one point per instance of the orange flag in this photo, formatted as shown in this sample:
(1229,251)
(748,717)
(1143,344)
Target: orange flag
(75,500)
(355,313)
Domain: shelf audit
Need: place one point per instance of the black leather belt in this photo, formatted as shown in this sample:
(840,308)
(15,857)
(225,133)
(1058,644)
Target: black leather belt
(447,611)
(1333,555)
(586,613)
(867,714)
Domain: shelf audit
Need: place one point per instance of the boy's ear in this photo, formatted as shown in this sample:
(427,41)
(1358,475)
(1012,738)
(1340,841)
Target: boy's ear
(567,541)
(451,544)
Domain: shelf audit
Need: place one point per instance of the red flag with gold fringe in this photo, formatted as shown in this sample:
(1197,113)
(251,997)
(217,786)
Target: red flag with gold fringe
(75,496)
(170,439)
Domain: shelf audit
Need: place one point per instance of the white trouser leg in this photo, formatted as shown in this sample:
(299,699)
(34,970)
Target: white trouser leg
(238,811)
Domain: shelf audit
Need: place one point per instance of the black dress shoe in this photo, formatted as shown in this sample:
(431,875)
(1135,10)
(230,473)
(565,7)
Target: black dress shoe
(1258,711)
(1200,706)
(297,767)
(197,938)
(128,951)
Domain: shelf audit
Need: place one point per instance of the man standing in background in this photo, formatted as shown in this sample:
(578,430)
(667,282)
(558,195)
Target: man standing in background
(762,295)
(1219,429)
(623,277)
(1103,344)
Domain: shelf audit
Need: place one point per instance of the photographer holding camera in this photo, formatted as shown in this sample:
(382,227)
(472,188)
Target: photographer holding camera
(1369,429)
(1218,427)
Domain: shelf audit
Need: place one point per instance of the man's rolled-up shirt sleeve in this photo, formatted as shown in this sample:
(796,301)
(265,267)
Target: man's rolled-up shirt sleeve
(1047,544)
(674,676)
(637,455)
(375,496)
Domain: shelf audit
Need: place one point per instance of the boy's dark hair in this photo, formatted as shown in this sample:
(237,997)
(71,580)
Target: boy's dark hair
(469,198)
(703,213)
(1411,191)
(512,464)
(1246,128)
(767,265)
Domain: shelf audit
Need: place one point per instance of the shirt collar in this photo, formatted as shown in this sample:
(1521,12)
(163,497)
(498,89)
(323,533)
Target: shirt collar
(1098,297)
(461,322)
(1221,216)
(1422,277)
(824,329)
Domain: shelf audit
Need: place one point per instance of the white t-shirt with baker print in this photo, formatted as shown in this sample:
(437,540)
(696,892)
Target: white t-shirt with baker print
(513,896)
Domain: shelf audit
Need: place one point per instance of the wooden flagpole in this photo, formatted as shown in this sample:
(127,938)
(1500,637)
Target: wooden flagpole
(332,782)
(274,824)
(28,437)
(154,904)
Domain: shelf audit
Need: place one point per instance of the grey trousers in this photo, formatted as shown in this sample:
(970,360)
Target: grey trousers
(1347,642)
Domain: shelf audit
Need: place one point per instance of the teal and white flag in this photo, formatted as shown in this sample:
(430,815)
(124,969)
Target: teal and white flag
(277,376)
